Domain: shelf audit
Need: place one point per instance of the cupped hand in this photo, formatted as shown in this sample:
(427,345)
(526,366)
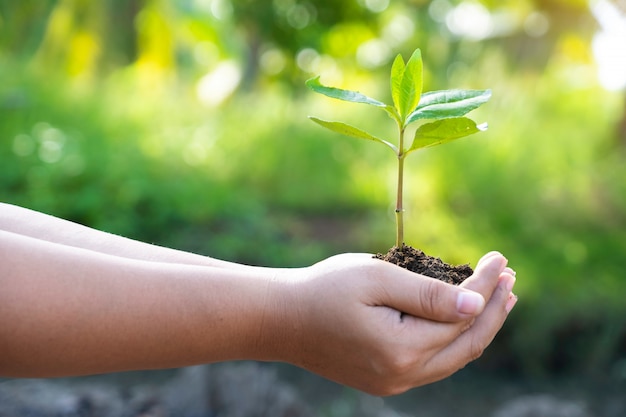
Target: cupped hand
(379,328)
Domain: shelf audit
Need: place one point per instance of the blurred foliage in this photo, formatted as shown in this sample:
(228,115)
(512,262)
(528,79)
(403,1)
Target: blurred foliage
(184,123)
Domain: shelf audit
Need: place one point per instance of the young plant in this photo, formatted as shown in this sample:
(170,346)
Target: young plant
(446,107)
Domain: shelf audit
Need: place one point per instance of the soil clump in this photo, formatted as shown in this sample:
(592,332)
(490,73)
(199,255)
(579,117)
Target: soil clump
(417,261)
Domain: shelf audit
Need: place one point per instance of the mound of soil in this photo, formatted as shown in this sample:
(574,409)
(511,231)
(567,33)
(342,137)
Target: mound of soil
(417,261)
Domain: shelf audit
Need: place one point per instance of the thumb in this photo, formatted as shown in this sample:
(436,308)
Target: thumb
(486,276)
(428,298)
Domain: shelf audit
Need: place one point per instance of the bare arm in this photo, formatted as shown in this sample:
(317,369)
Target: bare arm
(75,301)
(353,319)
(71,311)
(52,229)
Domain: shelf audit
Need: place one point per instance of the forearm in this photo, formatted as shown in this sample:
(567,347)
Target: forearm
(70,311)
(41,226)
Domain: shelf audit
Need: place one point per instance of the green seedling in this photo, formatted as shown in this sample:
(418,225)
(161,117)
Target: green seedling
(446,107)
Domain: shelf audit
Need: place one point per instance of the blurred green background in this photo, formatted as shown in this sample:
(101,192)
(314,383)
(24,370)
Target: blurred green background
(183,123)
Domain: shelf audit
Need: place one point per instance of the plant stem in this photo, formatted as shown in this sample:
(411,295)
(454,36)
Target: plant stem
(399,193)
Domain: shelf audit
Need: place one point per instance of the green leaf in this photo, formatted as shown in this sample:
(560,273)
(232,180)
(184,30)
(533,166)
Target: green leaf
(411,85)
(443,131)
(347,95)
(448,103)
(397,71)
(346,129)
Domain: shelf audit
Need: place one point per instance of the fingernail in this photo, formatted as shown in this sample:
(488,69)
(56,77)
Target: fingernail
(510,271)
(488,255)
(490,259)
(469,302)
(510,303)
(507,281)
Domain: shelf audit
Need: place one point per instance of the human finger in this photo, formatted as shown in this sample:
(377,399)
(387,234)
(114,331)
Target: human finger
(425,297)
(471,344)
(486,275)
(485,279)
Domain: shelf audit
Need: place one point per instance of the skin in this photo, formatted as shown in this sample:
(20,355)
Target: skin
(77,301)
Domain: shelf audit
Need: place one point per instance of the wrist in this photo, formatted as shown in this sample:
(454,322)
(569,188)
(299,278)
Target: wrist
(279,321)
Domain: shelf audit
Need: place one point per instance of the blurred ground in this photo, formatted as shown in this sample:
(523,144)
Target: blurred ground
(251,390)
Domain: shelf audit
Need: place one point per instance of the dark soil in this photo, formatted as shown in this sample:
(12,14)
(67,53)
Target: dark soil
(417,261)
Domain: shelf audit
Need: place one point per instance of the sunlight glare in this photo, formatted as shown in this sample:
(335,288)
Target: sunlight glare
(373,53)
(377,6)
(400,29)
(471,20)
(608,45)
(308,59)
(219,84)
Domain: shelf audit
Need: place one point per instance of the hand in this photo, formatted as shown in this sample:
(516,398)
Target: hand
(371,325)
